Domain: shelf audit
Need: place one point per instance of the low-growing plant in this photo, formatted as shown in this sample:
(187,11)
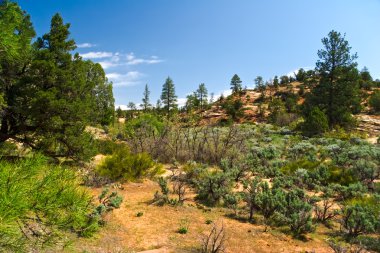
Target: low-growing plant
(297,213)
(215,241)
(232,201)
(108,201)
(41,202)
(183,226)
(358,218)
(213,186)
(124,165)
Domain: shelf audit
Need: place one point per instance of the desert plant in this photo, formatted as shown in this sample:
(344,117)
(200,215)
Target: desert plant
(297,213)
(269,201)
(323,209)
(215,241)
(358,218)
(213,186)
(108,201)
(163,197)
(232,201)
(124,165)
(183,226)
(250,195)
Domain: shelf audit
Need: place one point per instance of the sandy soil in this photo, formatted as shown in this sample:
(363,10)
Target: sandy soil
(156,230)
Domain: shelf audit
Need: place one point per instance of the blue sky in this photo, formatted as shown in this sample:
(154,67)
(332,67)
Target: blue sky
(195,41)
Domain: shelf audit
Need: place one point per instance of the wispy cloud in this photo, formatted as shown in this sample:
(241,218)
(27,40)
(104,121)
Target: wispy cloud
(97,55)
(86,45)
(130,78)
(133,60)
(109,60)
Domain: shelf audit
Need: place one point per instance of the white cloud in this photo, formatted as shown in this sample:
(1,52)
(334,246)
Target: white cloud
(97,55)
(225,93)
(295,71)
(181,102)
(129,79)
(108,64)
(110,60)
(86,45)
(133,60)
(123,107)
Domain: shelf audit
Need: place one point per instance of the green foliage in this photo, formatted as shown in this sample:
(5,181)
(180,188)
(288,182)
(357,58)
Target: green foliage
(68,92)
(168,96)
(251,189)
(163,197)
(234,108)
(374,101)
(297,213)
(236,84)
(359,218)
(213,186)
(42,202)
(269,200)
(232,201)
(183,226)
(146,105)
(108,202)
(145,123)
(201,94)
(316,122)
(337,93)
(124,165)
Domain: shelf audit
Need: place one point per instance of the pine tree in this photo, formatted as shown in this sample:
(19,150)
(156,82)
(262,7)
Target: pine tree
(260,86)
(336,94)
(49,95)
(236,84)
(275,82)
(202,95)
(146,101)
(168,96)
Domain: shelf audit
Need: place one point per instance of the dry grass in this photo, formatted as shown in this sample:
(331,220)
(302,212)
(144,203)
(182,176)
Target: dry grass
(157,229)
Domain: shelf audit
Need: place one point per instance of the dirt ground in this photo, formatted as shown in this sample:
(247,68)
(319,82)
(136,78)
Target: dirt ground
(156,229)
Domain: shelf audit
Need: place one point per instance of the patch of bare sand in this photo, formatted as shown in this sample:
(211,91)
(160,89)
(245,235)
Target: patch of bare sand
(157,229)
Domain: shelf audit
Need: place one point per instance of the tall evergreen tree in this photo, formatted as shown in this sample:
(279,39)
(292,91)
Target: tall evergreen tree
(202,95)
(275,82)
(49,94)
(146,105)
(336,94)
(168,96)
(236,85)
(260,86)
(16,33)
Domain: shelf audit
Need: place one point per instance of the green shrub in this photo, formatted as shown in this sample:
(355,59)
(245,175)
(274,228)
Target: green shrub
(213,186)
(183,226)
(358,218)
(374,101)
(107,147)
(108,201)
(42,201)
(296,213)
(316,122)
(122,164)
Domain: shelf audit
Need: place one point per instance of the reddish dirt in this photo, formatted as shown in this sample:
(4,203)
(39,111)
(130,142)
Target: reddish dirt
(157,229)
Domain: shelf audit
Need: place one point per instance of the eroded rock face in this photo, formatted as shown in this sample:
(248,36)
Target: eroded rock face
(369,124)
